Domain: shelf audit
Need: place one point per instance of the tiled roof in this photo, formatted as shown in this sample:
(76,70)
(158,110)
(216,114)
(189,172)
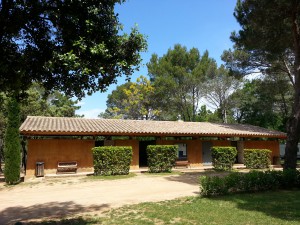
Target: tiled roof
(36,125)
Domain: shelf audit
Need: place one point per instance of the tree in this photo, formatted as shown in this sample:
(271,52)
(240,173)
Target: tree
(3,123)
(71,46)
(218,90)
(206,115)
(263,102)
(55,104)
(36,104)
(270,39)
(75,47)
(12,147)
(178,78)
(132,100)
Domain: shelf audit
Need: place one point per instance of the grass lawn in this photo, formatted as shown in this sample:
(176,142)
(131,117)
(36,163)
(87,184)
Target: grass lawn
(280,207)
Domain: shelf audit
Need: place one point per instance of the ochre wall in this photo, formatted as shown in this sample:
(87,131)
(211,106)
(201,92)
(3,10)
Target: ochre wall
(271,145)
(194,147)
(52,151)
(194,152)
(135,149)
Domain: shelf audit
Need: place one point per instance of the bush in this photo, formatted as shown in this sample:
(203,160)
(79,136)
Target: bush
(257,158)
(253,181)
(211,186)
(112,160)
(161,158)
(12,145)
(223,158)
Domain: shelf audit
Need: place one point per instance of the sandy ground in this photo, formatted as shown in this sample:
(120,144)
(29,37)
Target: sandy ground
(64,197)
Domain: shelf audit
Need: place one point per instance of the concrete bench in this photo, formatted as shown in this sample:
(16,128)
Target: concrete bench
(66,167)
(181,163)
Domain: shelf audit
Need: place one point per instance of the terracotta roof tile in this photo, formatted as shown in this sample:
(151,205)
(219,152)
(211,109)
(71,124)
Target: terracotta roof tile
(36,125)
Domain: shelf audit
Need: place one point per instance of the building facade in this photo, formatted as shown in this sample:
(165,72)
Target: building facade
(56,139)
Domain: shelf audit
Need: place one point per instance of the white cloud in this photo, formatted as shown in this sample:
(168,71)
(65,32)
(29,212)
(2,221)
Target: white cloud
(90,114)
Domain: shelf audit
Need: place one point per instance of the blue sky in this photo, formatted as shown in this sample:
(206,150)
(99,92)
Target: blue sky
(203,24)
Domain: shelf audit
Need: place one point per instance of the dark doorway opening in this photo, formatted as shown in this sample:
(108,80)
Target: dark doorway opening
(99,143)
(143,152)
(206,153)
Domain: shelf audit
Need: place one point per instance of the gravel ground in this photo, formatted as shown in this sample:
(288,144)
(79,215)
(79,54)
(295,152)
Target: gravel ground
(63,197)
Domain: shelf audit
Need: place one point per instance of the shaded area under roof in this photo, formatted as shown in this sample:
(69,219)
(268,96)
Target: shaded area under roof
(37,125)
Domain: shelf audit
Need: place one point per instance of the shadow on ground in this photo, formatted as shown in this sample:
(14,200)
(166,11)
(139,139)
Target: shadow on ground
(193,177)
(284,205)
(188,178)
(51,210)
(71,221)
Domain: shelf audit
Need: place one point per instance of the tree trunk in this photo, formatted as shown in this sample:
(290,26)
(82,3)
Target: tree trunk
(290,160)
(293,125)
(293,130)
(1,153)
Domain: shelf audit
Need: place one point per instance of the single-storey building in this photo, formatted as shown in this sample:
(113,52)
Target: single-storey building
(55,139)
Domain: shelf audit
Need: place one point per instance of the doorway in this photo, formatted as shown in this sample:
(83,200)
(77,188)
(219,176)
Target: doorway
(206,153)
(143,161)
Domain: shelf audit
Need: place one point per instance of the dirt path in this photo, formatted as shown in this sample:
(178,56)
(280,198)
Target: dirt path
(72,196)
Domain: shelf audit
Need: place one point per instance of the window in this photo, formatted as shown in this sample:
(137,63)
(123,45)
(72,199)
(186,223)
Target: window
(182,153)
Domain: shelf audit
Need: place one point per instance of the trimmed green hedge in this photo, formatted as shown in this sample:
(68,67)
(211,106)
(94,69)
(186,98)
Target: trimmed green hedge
(254,181)
(257,158)
(223,158)
(112,160)
(161,158)
(12,144)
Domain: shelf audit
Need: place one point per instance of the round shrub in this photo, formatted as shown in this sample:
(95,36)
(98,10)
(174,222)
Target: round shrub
(257,158)
(223,158)
(112,160)
(161,158)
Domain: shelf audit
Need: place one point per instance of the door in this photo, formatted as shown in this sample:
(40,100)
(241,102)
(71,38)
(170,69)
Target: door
(206,153)
(143,152)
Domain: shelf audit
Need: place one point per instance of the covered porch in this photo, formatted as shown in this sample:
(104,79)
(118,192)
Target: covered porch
(53,140)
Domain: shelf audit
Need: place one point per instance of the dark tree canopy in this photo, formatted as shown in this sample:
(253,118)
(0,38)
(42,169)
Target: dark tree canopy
(269,42)
(71,46)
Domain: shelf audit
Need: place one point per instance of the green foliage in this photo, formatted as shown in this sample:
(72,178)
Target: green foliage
(218,90)
(161,158)
(12,145)
(254,181)
(263,102)
(205,115)
(132,100)
(211,186)
(178,77)
(257,158)
(223,158)
(276,51)
(38,103)
(112,160)
(77,47)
